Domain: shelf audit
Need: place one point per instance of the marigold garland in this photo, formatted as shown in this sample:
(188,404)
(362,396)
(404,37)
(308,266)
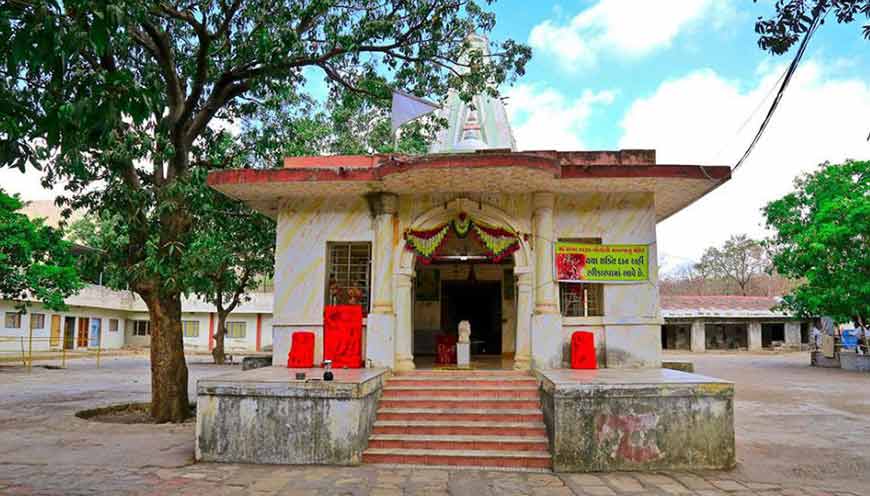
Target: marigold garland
(498,243)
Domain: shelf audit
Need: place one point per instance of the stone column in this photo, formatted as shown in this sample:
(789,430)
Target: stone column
(698,338)
(523,349)
(381,323)
(546,330)
(753,335)
(404,322)
(793,334)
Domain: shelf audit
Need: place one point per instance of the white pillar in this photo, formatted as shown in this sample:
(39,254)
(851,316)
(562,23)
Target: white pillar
(698,339)
(523,349)
(545,287)
(381,322)
(404,322)
(753,335)
(546,332)
(793,334)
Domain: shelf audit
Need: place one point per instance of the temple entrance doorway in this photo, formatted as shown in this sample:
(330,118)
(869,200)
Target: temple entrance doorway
(478,302)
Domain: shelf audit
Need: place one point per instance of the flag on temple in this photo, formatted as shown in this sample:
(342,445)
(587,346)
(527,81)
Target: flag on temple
(408,107)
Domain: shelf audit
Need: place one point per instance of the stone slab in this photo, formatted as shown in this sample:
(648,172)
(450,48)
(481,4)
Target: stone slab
(849,360)
(637,419)
(818,359)
(266,416)
(681,365)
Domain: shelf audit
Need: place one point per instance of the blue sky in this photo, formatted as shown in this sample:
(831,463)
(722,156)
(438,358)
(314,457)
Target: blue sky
(685,77)
(688,79)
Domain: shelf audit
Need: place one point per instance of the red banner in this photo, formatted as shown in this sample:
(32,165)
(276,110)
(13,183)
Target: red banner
(342,336)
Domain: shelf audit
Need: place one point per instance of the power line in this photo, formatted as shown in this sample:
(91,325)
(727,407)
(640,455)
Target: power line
(817,20)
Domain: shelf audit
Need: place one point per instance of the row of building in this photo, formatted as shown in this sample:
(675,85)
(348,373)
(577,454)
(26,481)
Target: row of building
(110,319)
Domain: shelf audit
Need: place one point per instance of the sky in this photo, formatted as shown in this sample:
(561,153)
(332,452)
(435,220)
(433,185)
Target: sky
(686,78)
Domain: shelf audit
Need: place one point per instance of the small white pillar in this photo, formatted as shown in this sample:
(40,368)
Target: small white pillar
(381,322)
(404,322)
(793,334)
(698,338)
(753,335)
(523,350)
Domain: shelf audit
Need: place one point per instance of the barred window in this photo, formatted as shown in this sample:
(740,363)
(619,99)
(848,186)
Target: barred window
(581,299)
(37,321)
(236,330)
(13,320)
(113,325)
(141,328)
(190,328)
(348,273)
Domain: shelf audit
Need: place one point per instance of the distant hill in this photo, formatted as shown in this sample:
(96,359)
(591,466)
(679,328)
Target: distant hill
(46,209)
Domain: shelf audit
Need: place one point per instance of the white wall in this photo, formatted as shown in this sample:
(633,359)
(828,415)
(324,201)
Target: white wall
(42,341)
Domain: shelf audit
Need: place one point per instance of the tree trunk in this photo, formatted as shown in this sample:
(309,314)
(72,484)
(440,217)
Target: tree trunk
(219,339)
(169,398)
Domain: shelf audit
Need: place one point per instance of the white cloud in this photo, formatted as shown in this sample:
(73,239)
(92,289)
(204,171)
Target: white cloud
(544,119)
(693,120)
(27,184)
(627,29)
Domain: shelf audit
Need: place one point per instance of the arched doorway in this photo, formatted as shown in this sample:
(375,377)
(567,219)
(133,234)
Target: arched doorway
(463,283)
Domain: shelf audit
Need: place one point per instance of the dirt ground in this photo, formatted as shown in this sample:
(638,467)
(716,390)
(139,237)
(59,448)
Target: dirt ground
(794,422)
(800,430)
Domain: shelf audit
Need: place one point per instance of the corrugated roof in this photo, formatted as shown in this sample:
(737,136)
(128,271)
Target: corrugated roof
(720,306)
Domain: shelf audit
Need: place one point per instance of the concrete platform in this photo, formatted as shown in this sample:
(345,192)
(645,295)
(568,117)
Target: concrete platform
(637,419)
(267,416)
(818,359)
(852,361)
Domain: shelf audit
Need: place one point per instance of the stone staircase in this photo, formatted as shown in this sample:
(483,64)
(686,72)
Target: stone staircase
(481,419)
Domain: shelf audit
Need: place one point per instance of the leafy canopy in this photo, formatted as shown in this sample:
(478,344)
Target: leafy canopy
(35,261)
(794,18)
(822,235)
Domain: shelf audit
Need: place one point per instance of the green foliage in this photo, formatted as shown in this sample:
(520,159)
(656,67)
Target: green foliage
(35,261)
(822,235)
(794,17)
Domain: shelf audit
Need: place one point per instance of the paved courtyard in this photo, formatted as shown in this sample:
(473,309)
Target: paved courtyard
(799,431)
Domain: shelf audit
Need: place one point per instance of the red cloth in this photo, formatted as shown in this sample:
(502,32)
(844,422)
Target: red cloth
(301,354)
(446,349)
(583,351)
(342,336)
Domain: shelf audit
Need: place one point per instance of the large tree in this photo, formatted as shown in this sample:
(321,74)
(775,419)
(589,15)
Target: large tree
(739,260)
(114,99)
(35,261)
(822,236)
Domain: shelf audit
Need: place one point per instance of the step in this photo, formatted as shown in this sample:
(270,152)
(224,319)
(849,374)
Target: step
(460,414)
(467,382)
(455,427)
(515,392)
(464,373)
(459,402)
(459,442)
(464,458)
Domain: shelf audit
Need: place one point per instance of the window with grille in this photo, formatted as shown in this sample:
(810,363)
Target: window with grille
(190,328)
(235,330)
(37,321)
(113,325)
(348,274)
(581,299)
(141,328)
(13,320)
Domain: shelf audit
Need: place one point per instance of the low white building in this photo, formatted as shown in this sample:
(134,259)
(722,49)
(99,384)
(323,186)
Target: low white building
(109,319)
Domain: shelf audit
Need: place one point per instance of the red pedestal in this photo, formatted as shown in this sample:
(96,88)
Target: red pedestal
(446,349)
(583,351)
(342,336)
(301,354)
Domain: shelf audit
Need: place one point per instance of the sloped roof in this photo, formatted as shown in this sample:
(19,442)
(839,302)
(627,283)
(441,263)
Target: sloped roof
(721,306)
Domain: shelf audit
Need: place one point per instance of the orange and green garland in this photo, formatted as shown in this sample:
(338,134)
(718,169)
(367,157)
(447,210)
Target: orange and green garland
(497,242)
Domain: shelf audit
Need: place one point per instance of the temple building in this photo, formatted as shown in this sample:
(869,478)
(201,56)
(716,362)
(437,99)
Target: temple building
(470,232)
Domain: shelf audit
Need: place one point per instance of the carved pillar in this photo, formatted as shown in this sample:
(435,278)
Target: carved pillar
(381,322)
(545,288)
(404,322)
(546,331)
(523,350)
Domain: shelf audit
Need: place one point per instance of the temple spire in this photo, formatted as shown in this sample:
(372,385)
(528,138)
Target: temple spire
(479,124)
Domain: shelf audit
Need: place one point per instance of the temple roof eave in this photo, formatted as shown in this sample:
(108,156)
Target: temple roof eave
(674,186)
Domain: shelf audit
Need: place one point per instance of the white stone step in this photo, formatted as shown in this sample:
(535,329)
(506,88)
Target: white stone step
(468,453)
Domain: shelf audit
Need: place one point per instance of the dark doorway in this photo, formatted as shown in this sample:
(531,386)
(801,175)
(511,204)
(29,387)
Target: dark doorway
(771,333)
(69,330)
(478,302)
